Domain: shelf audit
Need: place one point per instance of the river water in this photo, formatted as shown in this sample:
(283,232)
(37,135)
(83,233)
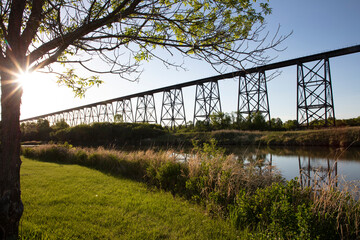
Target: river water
(311,165)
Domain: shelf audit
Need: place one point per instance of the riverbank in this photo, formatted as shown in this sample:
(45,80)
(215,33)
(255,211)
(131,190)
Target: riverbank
(144,135)
(329,137)
(250,196)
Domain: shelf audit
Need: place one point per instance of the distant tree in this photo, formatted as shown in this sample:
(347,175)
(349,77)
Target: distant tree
(59,125)
(44,129)
(291,125)
(202,126)
(39,131)
(276,124)
(37,33)
(28,131)
(220,121)
(258,122)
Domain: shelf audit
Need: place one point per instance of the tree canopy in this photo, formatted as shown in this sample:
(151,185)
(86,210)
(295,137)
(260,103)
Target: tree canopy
(35,34)
(123,33)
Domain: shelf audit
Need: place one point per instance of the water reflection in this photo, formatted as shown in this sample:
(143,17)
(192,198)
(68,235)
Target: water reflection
(313,166)
(317,172)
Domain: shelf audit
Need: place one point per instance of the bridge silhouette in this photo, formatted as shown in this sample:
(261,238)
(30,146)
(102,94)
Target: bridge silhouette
(314,97)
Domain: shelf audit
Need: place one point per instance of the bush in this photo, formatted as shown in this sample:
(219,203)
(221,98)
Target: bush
(282,210)
(170,176)
(106,134)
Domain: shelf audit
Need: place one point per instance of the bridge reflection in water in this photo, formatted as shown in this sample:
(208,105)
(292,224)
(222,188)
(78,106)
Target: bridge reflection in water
(314,167)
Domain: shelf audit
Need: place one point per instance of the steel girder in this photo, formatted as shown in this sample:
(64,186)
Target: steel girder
(314,93)
(253,95)
(145,109)
(173,110)
(207,101)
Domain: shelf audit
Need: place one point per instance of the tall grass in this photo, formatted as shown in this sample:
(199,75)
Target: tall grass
(68,202)
(209,176)
(250,194)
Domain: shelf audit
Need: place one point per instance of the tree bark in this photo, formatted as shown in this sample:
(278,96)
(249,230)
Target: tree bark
(11,207)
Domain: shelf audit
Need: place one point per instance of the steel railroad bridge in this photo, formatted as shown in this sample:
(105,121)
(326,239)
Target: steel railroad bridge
(314,97)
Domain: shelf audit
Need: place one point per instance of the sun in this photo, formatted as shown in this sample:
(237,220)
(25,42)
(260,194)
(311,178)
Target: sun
(24,78)
(29,81)
(40,93)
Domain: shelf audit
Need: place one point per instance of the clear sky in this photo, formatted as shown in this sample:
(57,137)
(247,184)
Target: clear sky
(317,25)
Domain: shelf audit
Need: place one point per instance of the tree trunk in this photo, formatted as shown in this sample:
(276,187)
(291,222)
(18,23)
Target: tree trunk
(11,207)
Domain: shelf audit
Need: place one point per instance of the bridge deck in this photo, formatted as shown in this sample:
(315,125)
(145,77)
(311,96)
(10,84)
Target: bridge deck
(282,64)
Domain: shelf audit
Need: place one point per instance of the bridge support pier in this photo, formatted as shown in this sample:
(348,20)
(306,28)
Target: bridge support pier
(124,112)
(314,94)
(106,112)
(207,101)
(145,109)
(173,110)
(253,95)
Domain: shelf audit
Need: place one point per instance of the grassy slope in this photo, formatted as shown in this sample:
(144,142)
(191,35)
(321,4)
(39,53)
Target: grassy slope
(73,202)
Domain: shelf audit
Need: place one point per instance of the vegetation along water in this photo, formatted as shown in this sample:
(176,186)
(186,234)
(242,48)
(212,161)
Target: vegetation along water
(269,182)
(251,196)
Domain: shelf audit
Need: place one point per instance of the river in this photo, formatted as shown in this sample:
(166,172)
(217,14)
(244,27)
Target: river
(311,165)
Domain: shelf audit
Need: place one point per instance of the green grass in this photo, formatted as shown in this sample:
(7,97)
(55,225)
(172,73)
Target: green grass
(74,202)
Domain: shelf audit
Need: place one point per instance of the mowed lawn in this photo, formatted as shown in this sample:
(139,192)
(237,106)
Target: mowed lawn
(73,202)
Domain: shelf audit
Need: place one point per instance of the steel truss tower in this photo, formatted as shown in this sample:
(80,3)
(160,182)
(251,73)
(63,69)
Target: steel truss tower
(106,112)
(207,101)
(253,95)
(123,111)
(145,109)
(314,94)
(173,110)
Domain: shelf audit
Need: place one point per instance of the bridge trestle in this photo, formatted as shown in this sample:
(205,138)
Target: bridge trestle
(124,112)
(314,94)
(253,95)
(173,110)
(145,109)
(207,101)
(315,102)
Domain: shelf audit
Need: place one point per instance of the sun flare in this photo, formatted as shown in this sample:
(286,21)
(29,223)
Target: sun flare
(24,77)
(31,82)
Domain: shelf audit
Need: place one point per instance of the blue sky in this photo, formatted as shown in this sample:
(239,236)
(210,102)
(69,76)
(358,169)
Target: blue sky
(317,26)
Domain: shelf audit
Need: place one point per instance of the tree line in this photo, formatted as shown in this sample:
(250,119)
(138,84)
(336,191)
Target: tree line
(97,134)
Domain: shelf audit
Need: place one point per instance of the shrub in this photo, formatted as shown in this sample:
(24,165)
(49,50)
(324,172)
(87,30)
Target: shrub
(275,209)
(170,176)
(106,134)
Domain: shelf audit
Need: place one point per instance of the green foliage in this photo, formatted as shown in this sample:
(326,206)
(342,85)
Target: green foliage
(252,199)
(170,176)
(220,121)
(290,212)
(59,125)
(35,131)
(257,121)
(291,125)
(95,134)
(78,84)
(276,209)
(276,124)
